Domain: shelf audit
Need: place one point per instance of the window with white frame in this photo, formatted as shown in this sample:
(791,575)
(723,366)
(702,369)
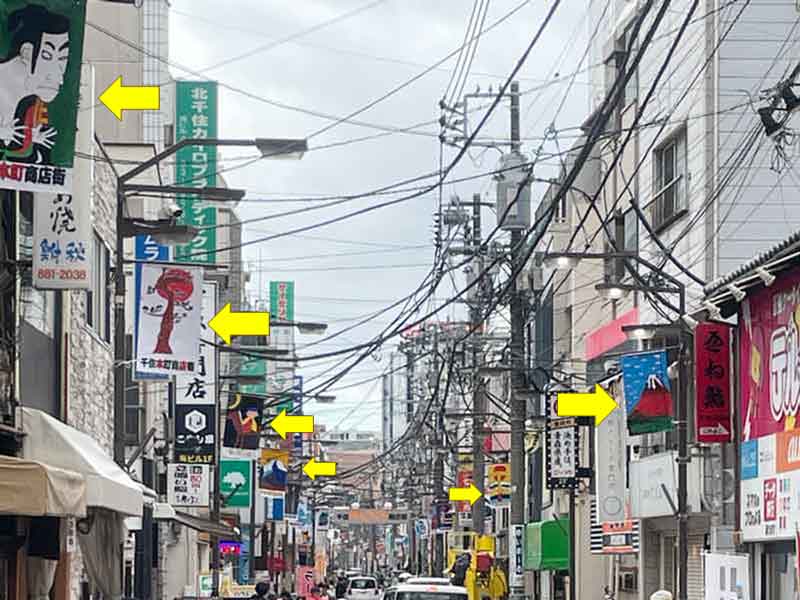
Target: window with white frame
(669,181)
(98,298)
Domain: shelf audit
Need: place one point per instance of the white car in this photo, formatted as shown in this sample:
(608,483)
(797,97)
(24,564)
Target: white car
(428,581)
(414,591)
(363,588)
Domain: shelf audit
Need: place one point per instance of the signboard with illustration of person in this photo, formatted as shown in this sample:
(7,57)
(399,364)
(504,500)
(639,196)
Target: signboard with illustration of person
(41,44)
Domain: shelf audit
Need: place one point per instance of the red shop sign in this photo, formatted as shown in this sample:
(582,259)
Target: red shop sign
(712,351)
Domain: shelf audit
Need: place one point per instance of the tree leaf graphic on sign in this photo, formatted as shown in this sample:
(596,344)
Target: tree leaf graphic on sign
(234,479)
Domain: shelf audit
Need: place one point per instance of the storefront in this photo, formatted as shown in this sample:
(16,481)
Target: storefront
(547,551)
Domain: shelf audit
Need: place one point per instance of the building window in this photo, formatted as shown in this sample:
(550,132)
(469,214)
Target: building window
(38,306)
(669,189)
(629,46)
(134,411)
(98,298)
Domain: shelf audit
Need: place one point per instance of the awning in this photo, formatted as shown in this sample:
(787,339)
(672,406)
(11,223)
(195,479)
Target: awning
(165,512)
(547,545)
(35,489)
(52,442)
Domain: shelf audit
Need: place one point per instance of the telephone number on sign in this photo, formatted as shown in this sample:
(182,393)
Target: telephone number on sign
(62,274)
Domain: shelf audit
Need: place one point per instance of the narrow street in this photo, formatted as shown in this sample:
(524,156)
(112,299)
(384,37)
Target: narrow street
(399,300)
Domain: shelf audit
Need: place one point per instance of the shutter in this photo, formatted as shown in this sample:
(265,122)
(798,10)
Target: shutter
(670,553)
(696,578)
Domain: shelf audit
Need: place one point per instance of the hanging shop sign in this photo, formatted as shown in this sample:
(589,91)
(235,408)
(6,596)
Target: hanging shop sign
(768,333)
(195,433)
(243,422)
(562,449)
(199,386)
(648,397)
(274,470)
(188,485)
(712,351)
(611,438)
(516,556)
(169,301)
(618,537)
(654,483)
(499,484)
(235,482)
(463,480)
(146,249)
(40,68)
(274,507)
(196,166)
(281,300)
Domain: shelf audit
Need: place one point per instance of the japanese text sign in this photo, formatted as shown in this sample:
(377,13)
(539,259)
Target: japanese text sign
(610,458)
(712,350)
(196,166)
(281,300)
(62,243)
(562,446)
(187,485)
(168,309)
(40,69)
(199,387)
(195,433)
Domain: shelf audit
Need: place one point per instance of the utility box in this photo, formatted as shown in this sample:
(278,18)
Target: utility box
(511,174)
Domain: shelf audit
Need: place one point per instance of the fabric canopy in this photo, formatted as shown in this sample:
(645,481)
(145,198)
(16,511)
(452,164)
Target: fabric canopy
(35,489)
(165,512)
(547,545)
(50,441)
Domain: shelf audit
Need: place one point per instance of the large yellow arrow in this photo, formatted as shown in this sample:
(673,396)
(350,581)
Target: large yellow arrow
(468,494)
(284,424)
(118,97)
(314,469)
(227,323)
(597,404)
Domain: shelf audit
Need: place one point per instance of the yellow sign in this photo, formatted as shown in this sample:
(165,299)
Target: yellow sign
(468,494)
(270,454)
(227,323)
(315,469)
(118,97)
(284,424)
(499,482)
(597,404)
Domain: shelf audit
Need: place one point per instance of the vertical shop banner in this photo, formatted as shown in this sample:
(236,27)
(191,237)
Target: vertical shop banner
(516,556)
(195,433)
(274,470)
(562,449)
(62,242)
(199,386)
(274,507)
(41,47)
(499,484)
(727,576)
(196,166)
(243,422)
(712,351)
(188,485)
(611,438)
(281,300)
(648,398)
(304,581)
(169,301)
(235,482)
(146,249)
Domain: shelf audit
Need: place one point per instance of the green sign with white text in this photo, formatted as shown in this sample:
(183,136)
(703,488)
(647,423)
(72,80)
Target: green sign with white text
(196,166)
(281,300)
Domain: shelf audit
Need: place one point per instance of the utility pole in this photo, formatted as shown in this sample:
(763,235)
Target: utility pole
(216,499)
(478,392)
(438,462)
(517,349)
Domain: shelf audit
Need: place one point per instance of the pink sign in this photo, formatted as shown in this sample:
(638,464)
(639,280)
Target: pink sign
(769,344)
(304,580)
(609,335)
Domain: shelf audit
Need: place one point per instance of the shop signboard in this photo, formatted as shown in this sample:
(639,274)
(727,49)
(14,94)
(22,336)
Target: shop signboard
(41,44)
(727,576)
(281,300)
(195,433)
(769,350)
(648,397)
(499,484)
(562,446)
(713,414)
(516,556)
(169,301)
(146,249)
(274,469)
(653,484)
(199,386)
(243,422)
(463,480)
(235,482)
(611,458)
(188,485)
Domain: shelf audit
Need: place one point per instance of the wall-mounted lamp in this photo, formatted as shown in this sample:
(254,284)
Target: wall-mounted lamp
(738,293)
(712,310)
(767,277)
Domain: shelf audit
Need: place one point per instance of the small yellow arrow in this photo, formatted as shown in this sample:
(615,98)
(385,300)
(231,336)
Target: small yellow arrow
(468,494)
(314,469)
(130,97)
(284,424)
(227,323)
(597,404)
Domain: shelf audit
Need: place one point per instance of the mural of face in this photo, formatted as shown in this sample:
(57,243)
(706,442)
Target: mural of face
(46,72)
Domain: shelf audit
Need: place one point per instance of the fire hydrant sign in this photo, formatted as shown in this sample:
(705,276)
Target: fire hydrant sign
(187,485)
(168,304)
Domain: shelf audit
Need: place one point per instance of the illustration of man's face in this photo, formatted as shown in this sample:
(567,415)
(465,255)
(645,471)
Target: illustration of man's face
(46,68)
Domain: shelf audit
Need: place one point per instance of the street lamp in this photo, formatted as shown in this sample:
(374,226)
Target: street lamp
(305,327)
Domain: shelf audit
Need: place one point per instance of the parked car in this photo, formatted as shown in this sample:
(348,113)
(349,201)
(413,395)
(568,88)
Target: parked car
(414,591)
(428,581)
(363,588)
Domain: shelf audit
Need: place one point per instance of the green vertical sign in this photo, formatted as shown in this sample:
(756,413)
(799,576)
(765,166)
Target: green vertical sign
(235,482)
(255,368)
(281,300)
(196,166)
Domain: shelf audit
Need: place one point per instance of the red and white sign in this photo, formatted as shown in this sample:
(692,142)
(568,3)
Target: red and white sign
(304,581)
(712,350)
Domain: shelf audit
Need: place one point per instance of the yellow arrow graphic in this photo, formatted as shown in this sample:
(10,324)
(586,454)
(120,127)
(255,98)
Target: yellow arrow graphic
(118,97)
(227,323)
(315,469)
(284,424)
(468,494)
(597,404)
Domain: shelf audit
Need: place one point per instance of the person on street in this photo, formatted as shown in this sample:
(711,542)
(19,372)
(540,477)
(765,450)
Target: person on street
(262,589)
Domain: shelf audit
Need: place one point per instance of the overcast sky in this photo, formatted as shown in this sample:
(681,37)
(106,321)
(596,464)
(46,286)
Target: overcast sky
(336,70)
